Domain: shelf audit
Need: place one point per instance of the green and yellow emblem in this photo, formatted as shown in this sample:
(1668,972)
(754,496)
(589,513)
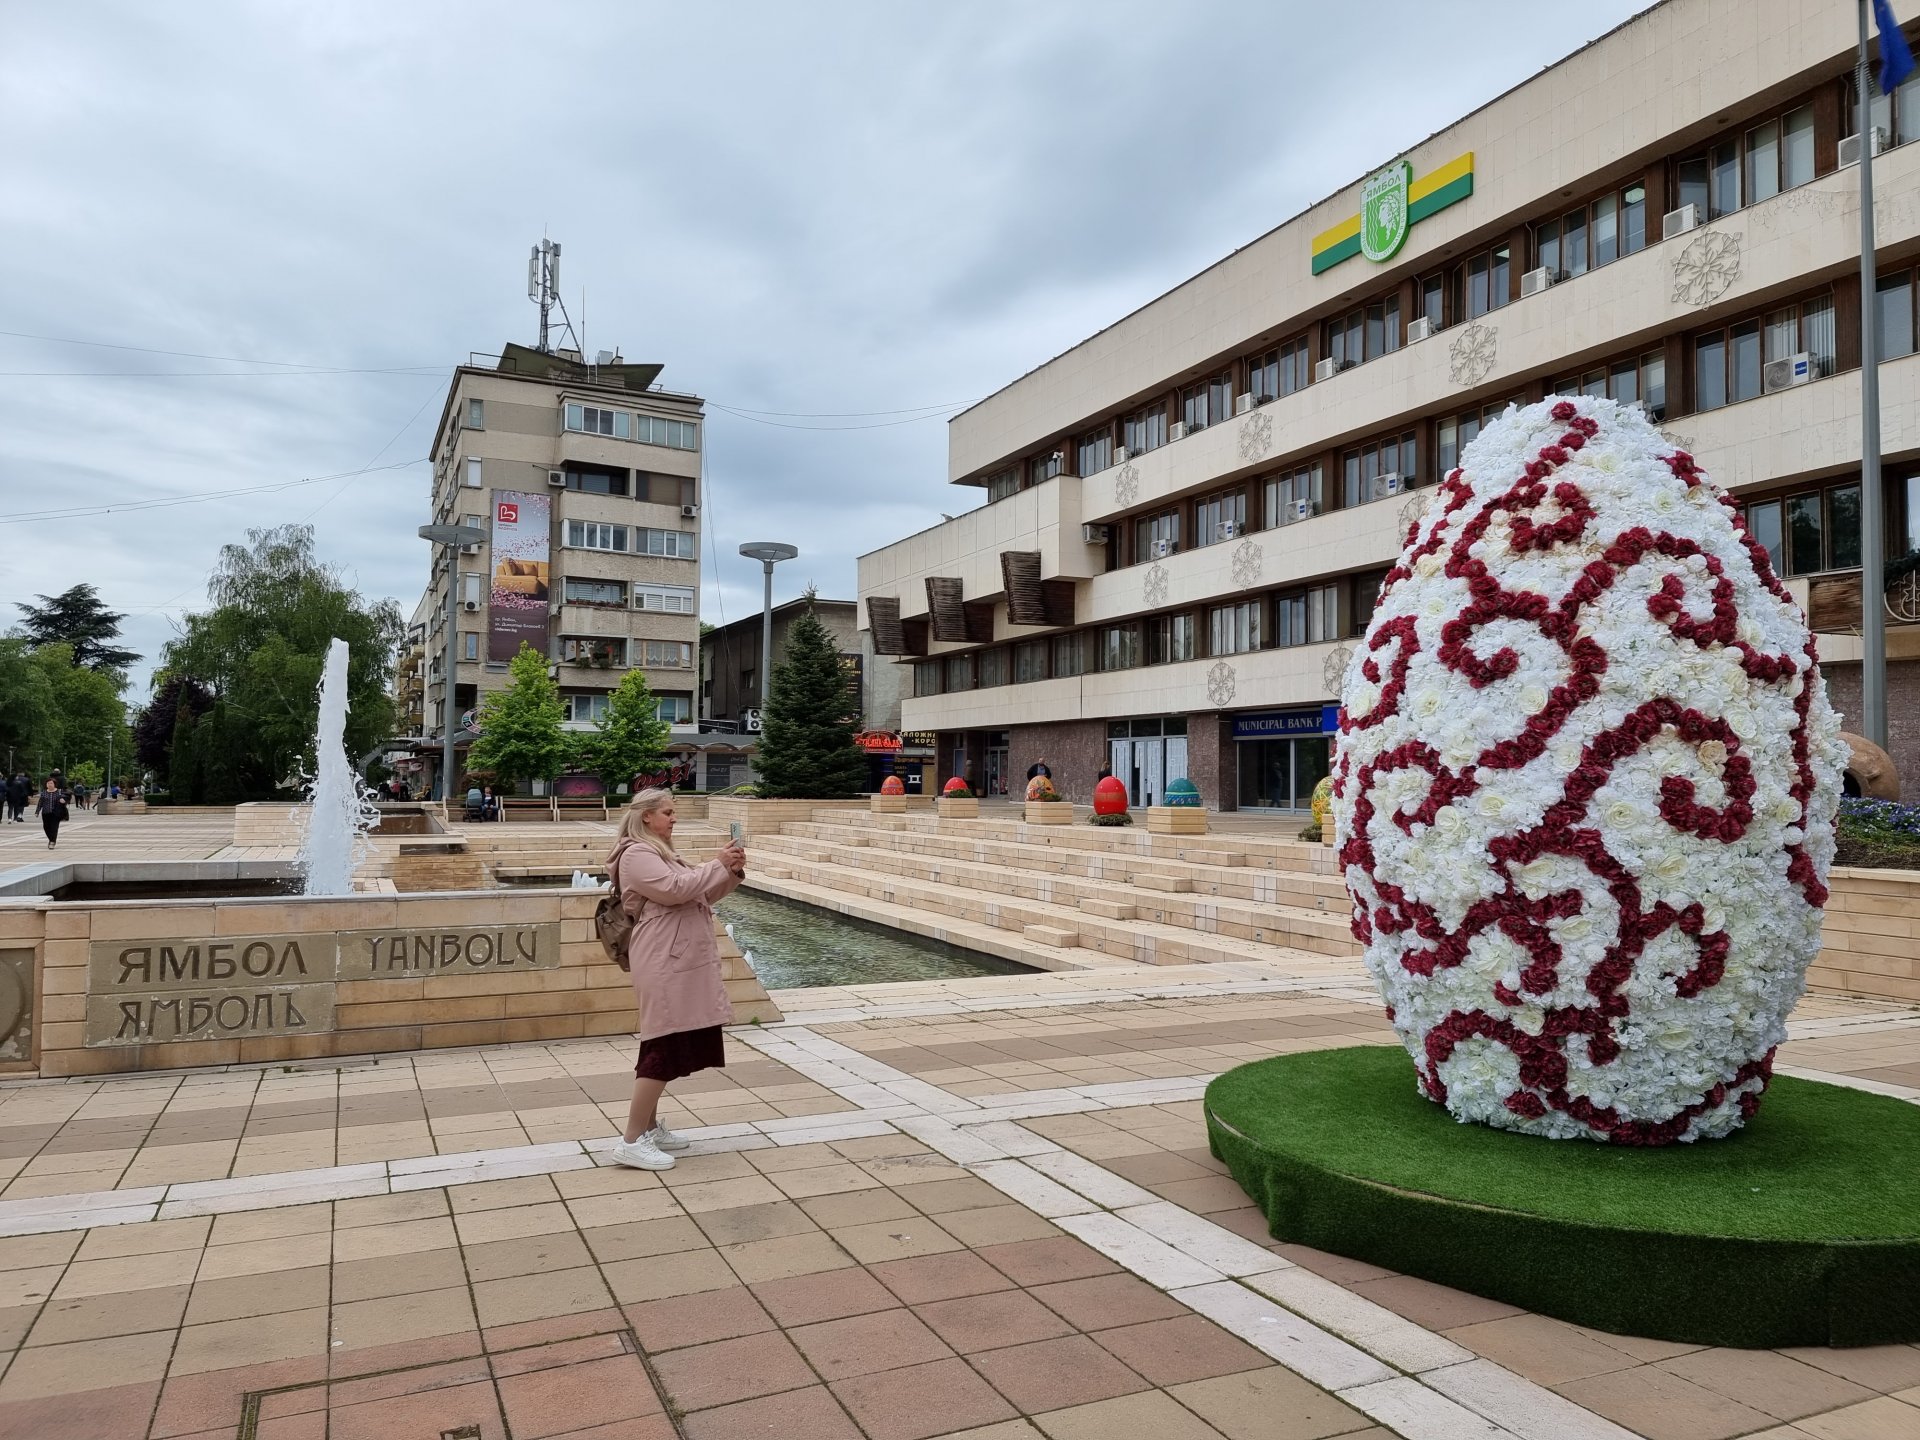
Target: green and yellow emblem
(1392,203)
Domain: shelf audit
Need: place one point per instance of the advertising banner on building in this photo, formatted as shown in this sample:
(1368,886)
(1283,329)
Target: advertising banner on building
(517,604)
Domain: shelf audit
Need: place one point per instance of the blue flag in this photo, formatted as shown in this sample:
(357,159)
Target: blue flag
(1896,59)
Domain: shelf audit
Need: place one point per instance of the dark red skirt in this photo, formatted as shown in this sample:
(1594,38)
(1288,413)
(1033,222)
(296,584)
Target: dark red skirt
(668,1057)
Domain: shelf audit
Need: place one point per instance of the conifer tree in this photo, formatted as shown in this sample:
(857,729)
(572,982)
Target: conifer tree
(807,750)
(520,735)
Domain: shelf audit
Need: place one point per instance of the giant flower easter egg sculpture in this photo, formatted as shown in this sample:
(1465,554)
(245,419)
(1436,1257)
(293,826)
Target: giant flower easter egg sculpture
(1585,787)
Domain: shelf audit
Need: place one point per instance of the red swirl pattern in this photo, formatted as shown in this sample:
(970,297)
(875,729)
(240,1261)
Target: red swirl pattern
(1545,510)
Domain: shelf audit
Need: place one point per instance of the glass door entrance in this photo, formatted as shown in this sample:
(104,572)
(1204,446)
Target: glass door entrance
(1145,754)
(1281,774)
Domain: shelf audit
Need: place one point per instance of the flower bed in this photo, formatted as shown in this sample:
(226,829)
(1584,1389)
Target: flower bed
(1882,834)
(1585,786)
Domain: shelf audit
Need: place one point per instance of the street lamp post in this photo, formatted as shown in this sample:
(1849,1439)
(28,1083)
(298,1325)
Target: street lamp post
(452,537)
(769,553)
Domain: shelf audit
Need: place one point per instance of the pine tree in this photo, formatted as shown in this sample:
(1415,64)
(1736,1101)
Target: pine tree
(520,734)
(78,617)
(807,751)
(632,738)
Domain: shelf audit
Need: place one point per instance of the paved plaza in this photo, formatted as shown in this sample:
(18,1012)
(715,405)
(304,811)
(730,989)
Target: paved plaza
(979,1208)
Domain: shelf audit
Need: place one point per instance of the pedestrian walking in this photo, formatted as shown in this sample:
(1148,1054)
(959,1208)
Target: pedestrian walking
(17,791)
(52,809)
(1038,768)
(674,962)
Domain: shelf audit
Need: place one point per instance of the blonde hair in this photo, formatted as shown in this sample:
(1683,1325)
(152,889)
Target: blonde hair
(644,804)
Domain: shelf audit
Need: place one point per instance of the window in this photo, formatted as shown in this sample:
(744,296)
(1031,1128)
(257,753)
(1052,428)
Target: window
(1001,484)
(1156,536)
(1594,234)
(668,599)
(472,477)
(1234,629)
(1170,638)
(1346,343)
(1279,371)
(470,645)
(1764,524)
(1029,661)
(1726,365)
(674,709)
(476,414)
(673,544)
(1808,533)
(1363,595)
(586,709)
(1207,403)
(1294,495)
(592,535)
(1308,617)
(1145,430)
(1368,333)
(669,655)
(1748,168)
(597,482)
(593,650)
(993,668)
(1895,293)
(926,677)
(1488,279)
(1383,468)
(670,434)
(1219,517)
(593,420)
(1043,467)
(1433,301)
(1119,647)
(1095,451)
(1641,380)
(470,589)
(959,673)
(1069,655)
(595,592)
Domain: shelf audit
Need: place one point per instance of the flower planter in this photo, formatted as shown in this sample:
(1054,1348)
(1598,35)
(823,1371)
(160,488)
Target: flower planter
(888,804)
(1176,820)
(965,808)
(1048,812)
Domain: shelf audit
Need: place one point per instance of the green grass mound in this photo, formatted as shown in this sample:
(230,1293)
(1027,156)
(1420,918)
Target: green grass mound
(1803,1228)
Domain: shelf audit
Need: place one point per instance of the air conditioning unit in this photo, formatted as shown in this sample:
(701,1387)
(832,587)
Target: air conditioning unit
(1059,458)
(1387,484)
(1161,549)
(469,604)
(1243,403)
(1850,147)
(553,607)
(1122,455)
(1303,508)
(1326,370)
(1420,329)
(557,479)
(688,512)
(1226,530)
(1534,281)
(469,549)
(1177,430)
(1678,222)
(1786,372)
(1093,534)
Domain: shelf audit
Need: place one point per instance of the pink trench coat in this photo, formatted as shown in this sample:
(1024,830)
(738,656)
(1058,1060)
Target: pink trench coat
(673,958)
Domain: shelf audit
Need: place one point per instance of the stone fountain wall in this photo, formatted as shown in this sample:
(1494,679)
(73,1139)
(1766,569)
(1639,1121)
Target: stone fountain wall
(165,984)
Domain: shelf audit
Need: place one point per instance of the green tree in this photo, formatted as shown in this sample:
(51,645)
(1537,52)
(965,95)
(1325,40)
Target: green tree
(89,719)
(259,652)
(632,738)
(29,723)
(78,618)
(520,734)
(807,751)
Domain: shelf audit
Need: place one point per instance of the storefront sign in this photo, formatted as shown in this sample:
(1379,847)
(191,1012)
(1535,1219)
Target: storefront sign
(1285,724)
(877,741)
(918,739)
(517,602)
(1392,202)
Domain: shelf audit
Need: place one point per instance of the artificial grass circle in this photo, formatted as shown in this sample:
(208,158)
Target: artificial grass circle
(1802,1228)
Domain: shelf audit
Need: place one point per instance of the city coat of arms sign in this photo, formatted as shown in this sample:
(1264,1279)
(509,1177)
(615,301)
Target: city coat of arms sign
(1383,211)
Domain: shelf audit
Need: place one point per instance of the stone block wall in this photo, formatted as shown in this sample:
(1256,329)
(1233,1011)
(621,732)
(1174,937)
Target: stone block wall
(1870,943)
(1074,751)
(1903,714)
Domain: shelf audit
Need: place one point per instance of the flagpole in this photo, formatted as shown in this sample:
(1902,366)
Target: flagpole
(1873,614)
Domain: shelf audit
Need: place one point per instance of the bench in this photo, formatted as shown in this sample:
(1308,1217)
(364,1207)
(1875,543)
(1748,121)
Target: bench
(579,807)
(530,808)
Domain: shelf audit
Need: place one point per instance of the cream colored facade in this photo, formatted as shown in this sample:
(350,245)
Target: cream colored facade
(506,430)
(1640,107)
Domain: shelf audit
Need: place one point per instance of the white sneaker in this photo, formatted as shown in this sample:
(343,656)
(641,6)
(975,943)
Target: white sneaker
(641,1154)
(665,1139)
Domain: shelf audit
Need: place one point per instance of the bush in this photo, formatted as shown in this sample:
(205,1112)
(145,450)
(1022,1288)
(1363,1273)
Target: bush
(1123,818)
(1881,834)
(1312,832)
(1040,790)
(963,793)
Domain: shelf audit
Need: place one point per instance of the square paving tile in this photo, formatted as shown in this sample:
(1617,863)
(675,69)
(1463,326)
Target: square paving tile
(535,1297)
(639,1239)
(1438,1307)
(81,1364)
(659,1277)
(684,1320)
(1151,1414)
(921,1400)
(802,1299)
(862,1344)
(1776,1384)
(727,1370)
(225,1344)
(1661,1406)
(787,1256)
(1269,1404)
(1102,1301)
(997,1225)
(987,1322)
(536,1254)
(1169,1352)
(393,1319)
(1042,1262)
(576,1397)
(859,1207)
(755,1222)
(1053,1374)
(940,1277)
(95,1317)
(397,1275)
(114,1412)
(894,1240)
(810,1414)
(426,1413)
(1544,1350)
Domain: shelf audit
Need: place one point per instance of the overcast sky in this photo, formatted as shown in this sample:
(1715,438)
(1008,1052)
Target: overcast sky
(846,208)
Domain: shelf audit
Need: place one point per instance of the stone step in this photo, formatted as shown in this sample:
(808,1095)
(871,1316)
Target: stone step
(1058,938)
(1171,884)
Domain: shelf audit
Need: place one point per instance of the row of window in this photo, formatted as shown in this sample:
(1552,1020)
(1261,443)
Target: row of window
(591,707)
(667,599)
(632,539)
(626,425)
(1310,615)
(600,649)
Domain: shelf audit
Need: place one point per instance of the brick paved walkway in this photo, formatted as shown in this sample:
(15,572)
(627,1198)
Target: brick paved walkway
(971,1208)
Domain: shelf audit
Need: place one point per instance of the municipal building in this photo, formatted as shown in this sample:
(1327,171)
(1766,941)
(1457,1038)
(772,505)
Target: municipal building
(1188,514)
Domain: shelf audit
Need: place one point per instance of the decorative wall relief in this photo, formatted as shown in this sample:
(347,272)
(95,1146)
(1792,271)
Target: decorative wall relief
(1707,268)
(1471,356)
(1222,684)
(1333,672)
(1153,586)
(1126,485)
(1248,561)
(1256,436)
(1412,509)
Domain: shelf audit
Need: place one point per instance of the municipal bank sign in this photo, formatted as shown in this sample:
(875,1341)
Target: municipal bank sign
(1392,203)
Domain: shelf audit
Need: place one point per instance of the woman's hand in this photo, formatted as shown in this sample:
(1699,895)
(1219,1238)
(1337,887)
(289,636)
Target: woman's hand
(734,858)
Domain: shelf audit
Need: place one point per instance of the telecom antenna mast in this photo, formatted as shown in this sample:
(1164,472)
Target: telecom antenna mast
(543,288)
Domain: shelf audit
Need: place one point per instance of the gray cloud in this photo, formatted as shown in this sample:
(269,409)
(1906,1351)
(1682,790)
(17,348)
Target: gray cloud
(849,207)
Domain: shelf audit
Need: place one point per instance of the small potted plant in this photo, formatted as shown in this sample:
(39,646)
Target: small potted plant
(957,801)
(1046,805)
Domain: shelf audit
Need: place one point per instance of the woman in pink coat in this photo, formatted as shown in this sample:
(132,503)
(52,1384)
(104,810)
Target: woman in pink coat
(675,964)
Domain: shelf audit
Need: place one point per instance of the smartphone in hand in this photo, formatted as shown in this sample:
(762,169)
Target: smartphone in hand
(739,835)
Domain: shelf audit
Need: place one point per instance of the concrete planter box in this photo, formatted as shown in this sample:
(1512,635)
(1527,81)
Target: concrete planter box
(1048,812)
(1176,820)
(887,804)
(961,809)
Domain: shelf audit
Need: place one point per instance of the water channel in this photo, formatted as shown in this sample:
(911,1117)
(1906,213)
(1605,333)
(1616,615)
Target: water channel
(797,945)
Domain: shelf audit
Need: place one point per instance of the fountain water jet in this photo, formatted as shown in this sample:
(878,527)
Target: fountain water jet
(342,809)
